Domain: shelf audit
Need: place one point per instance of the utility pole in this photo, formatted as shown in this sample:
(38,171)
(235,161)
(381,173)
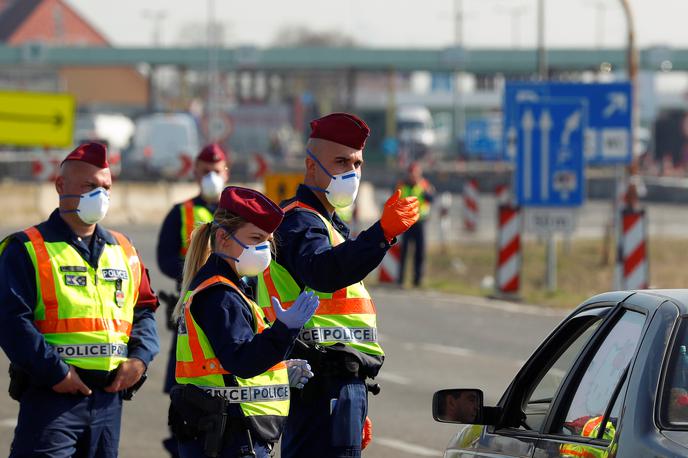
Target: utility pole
(632,69)
(212,111)
(458,47)
(600,12)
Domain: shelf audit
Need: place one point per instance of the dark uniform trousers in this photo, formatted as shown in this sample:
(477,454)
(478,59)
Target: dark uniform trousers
(415,235)
(329,425)
(65,425)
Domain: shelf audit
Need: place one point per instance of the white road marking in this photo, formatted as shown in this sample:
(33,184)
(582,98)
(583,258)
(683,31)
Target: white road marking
(447,350)
(475,301)
(468,353)
(406,447)
(391,377)
(8,423)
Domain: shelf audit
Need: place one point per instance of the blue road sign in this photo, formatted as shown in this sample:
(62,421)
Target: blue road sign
(607,137)
(549,160)
(484,138)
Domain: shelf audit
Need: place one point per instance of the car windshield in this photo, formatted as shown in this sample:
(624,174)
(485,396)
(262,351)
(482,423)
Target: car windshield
(675,390)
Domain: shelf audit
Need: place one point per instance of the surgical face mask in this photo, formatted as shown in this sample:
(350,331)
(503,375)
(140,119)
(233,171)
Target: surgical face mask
(212,185)
(253,260)
(343,188)
(93,205)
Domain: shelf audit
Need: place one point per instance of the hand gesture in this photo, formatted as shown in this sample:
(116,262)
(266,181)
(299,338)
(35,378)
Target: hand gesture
(299,313)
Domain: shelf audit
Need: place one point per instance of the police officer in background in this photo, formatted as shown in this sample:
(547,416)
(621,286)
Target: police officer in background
(315,253)
(417,186)
(76,319)
(233,392)
(211,172)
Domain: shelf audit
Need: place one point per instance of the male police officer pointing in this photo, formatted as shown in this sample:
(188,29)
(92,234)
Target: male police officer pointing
(76,318)
(314,253)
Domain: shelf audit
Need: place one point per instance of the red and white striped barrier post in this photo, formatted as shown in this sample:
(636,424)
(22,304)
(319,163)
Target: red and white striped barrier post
(502,195)
(508,272)
(45,169)
(632,263)
(390,265)
(470,205)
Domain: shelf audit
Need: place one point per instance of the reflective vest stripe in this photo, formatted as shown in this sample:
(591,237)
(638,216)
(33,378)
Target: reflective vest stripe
(132,259)
(272,292)
(323,334)
(45,274)
(91,350)
(199,364)
(591,426)
(257,393)
(333,306)
(188,209)
(67,325)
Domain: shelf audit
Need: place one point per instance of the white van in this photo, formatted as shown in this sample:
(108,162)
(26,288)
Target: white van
(164,145)
(415,130)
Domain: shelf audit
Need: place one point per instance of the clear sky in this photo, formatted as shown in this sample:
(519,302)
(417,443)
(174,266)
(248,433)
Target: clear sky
(398,23)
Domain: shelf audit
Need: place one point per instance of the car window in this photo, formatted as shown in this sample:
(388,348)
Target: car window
(593,394)
(559,357)
(548,385)
(675,390)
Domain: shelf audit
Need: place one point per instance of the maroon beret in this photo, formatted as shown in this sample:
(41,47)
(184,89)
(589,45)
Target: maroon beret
(212,153)
(253,206)
(93,153)
(343,128)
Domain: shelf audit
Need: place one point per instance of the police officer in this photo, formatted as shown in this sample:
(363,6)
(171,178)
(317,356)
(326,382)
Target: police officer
(233,392)
(417,186)
(315,254)
(211,172)
(76,319)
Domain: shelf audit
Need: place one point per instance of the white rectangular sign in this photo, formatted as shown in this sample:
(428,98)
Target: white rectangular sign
(546,220)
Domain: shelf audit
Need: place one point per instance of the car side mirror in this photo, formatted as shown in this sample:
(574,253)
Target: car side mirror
(458,406)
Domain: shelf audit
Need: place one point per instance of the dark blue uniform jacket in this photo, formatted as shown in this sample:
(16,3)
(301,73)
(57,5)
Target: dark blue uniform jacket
(19,338)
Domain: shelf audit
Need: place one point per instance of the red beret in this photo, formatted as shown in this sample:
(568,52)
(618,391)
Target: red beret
(253,206)
(343,128)
(93,153)
(212,153)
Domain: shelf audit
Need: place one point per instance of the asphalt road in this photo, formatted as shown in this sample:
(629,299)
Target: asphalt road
(432,341)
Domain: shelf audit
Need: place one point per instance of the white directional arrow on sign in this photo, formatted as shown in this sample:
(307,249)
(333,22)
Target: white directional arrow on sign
(511,142)
(545,127)
(618,102)
(528,123)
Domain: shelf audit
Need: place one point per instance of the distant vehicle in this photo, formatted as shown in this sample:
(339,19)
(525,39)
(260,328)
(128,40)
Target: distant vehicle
(164,145)
(415,130)
(116,129)
(610,381)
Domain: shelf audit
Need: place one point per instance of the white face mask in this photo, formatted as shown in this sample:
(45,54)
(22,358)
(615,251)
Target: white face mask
(93,205)
(343,188)
(253,260)
(212,185)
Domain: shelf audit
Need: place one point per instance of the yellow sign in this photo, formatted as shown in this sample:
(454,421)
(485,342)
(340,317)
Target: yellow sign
(36,119)
(281,186)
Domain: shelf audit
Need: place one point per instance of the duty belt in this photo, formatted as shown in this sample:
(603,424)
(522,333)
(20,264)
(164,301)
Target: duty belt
(239,394)
(338,334)
(92,350)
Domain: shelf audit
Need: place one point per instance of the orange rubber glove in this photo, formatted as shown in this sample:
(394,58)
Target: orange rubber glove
(367,433)
(399,214)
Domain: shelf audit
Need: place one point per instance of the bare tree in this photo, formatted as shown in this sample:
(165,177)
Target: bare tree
(196,34)
(298,35)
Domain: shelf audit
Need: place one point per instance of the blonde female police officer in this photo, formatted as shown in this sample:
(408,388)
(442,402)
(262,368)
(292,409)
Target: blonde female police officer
(233,396)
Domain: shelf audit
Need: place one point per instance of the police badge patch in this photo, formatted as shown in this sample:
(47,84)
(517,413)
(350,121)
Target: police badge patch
(75,280)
